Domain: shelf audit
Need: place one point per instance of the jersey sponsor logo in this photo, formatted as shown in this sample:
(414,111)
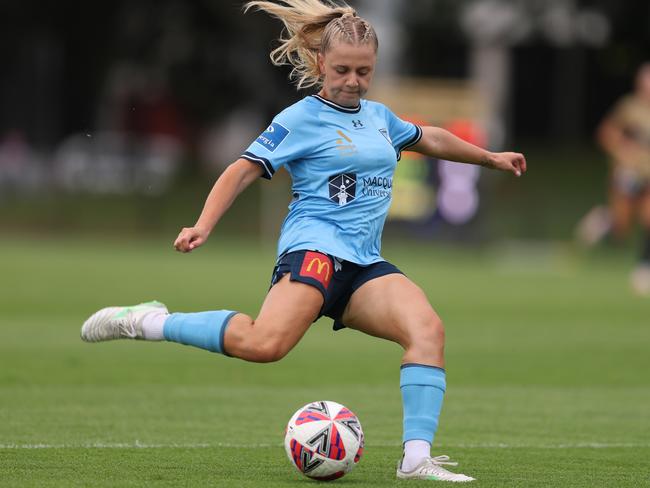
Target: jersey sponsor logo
(273,136)
(357,124)
(344,144)
(384,132)
(317,266)
(343,188)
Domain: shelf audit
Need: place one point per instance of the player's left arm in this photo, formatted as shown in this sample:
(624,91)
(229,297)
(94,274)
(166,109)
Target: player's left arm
(441,144)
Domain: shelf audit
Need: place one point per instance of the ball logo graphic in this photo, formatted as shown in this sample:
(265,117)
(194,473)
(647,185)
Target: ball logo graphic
(324,440)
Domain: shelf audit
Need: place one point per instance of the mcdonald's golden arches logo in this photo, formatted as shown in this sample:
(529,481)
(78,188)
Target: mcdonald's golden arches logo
(317,266)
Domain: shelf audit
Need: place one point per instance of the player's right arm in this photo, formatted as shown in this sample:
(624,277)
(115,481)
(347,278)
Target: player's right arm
(614,140)
(235,179)
(281,142)
(610,137)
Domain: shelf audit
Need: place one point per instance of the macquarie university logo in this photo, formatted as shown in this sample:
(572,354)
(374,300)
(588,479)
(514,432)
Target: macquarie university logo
(343,188)
(273,136)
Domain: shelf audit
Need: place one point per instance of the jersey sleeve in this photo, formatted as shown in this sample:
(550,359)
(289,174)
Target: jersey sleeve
(402,134)
(281,142)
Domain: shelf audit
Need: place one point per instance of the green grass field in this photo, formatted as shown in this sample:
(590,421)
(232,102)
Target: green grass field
(548,370)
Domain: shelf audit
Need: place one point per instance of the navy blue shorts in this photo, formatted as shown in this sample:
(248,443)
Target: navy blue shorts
(629,182)
(336,279)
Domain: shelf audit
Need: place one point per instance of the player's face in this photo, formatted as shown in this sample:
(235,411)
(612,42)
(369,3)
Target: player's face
(347,70)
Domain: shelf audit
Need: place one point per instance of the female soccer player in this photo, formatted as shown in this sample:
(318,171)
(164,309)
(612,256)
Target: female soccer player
(341,151)
(625,135)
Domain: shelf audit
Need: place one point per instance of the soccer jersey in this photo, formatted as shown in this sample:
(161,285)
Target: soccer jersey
(341,161)
(632,115)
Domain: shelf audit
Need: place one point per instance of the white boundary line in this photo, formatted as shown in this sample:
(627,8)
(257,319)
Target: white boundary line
(144,445)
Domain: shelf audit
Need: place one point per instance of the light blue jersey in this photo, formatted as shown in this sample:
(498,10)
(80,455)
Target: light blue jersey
(341,161)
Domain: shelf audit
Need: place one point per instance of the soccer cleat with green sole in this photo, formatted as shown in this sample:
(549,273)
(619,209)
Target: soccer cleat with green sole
(118,322)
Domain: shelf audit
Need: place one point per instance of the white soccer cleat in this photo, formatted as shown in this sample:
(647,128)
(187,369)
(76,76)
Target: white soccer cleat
(594,226)
(640,280)
(118,322)
(431,469)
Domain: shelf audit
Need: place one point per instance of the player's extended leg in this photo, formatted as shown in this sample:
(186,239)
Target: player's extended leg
(622,208)
(286,314)
(393,307)
(641,275)
(289,309)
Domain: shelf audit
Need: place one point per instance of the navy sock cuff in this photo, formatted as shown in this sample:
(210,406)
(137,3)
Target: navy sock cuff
(418,365)
(412,374)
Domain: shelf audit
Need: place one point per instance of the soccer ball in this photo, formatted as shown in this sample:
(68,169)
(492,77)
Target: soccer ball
(324,440)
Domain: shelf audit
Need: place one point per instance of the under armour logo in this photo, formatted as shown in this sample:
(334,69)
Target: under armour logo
(357,124)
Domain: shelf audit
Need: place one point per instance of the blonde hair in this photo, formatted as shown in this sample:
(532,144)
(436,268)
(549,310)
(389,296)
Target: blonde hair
(310,27)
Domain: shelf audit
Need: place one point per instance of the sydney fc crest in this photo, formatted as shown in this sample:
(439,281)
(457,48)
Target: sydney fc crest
(343,188)
(384,132)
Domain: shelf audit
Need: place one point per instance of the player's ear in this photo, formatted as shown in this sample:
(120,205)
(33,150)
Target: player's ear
(321,63)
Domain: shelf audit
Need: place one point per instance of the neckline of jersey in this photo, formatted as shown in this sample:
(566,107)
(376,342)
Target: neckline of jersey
(336,106)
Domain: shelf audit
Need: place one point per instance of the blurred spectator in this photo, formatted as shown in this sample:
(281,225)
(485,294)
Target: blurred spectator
(141,140)
(20,168)
(458,196)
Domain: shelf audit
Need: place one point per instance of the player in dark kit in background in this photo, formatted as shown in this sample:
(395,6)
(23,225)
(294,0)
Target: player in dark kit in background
(340,151)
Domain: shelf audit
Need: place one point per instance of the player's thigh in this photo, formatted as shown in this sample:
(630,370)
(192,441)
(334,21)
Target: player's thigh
(392,307)
(622,207)
(288,310)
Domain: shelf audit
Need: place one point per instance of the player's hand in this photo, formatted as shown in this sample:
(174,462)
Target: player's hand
(189,239)
(507,161)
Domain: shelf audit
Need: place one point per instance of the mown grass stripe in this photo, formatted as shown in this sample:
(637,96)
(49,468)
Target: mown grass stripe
(140,445)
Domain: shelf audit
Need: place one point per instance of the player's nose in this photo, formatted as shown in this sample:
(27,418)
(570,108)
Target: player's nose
(352,81)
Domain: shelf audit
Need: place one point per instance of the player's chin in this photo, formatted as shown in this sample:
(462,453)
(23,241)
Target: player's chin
(351,98)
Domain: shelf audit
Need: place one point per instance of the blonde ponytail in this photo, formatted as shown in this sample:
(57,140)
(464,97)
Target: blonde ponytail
(310,27)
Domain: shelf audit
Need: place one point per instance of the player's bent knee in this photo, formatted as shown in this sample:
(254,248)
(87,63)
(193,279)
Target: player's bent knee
(429,336)
(270,351)
(435,333)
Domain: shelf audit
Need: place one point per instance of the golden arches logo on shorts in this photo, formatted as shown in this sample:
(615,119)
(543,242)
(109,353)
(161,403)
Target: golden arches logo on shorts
(317,266)
(320,266)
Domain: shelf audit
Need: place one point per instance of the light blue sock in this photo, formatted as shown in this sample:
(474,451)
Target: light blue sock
(423,388)
(202,329)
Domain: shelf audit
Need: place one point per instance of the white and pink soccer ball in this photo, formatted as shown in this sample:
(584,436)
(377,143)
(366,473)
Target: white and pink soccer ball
(324,440)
